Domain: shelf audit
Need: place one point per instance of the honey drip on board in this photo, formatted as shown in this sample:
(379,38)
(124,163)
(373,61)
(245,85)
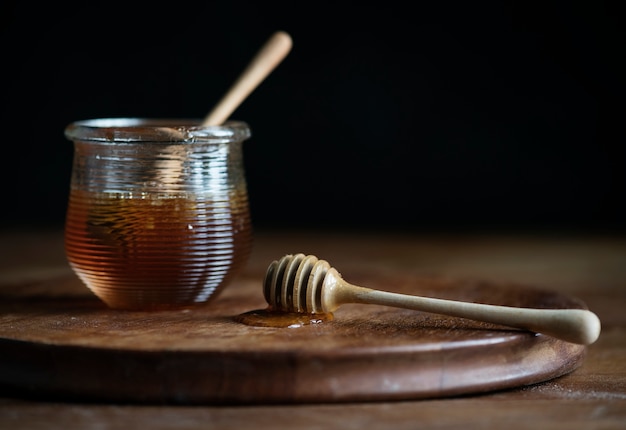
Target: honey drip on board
(281,319)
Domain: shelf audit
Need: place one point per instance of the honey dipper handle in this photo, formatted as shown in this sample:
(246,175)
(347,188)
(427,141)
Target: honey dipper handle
(266,60)
(572,325)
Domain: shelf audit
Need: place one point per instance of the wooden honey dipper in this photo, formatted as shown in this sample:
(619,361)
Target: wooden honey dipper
(304,284)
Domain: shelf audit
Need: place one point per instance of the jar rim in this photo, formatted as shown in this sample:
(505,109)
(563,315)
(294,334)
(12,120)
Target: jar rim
(155,130)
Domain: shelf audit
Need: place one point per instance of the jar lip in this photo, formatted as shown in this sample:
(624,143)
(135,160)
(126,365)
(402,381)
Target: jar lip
(155,130)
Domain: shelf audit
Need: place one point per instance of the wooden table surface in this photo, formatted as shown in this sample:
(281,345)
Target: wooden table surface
(591,268)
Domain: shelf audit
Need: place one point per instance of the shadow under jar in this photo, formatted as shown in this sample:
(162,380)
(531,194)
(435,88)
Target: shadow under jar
(158,215)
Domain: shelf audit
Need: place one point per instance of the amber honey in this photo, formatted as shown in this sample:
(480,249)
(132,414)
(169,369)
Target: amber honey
(280,319)
(157,251)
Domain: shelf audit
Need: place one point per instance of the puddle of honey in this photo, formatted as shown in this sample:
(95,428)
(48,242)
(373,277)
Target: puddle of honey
(272,318)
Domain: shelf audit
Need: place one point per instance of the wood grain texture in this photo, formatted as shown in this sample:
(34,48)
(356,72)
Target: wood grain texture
(36,283)
(75,347)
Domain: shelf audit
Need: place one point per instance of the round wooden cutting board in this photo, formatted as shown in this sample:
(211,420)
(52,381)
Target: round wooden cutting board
(57,341)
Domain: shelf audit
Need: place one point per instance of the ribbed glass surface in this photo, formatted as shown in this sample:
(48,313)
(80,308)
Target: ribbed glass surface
(157,226)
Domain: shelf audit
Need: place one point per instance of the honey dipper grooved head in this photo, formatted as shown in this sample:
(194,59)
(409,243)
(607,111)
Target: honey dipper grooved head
(294,284)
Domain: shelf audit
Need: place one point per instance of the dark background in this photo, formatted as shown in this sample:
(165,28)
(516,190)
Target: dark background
(429,116)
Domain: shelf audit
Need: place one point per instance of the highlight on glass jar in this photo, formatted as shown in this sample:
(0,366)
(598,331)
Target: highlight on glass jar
(158,215)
